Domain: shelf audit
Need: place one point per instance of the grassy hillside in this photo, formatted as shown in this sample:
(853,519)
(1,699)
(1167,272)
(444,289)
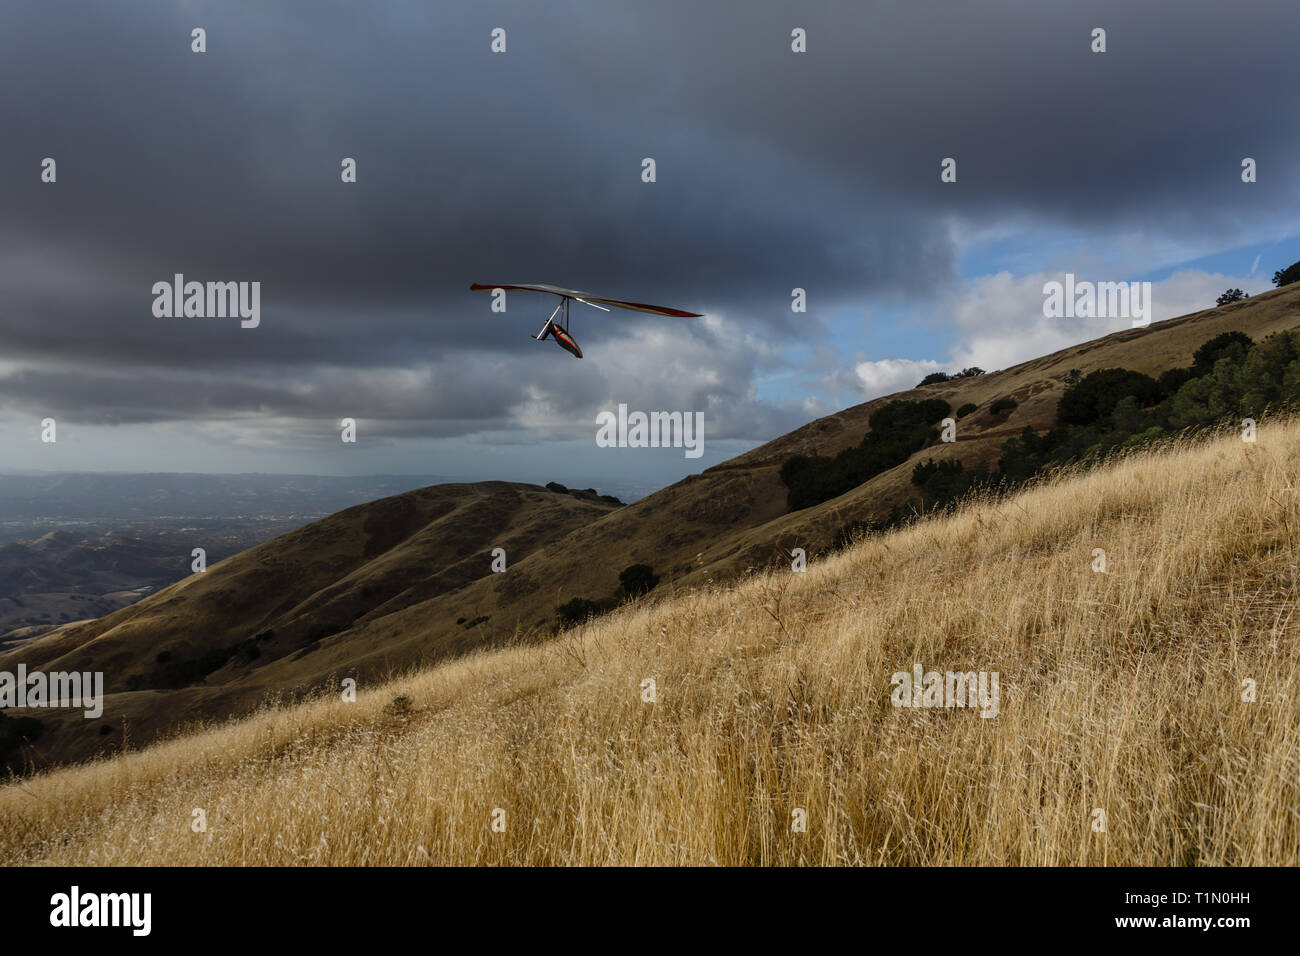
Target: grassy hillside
(1120,692)
(404,581)
(219,642)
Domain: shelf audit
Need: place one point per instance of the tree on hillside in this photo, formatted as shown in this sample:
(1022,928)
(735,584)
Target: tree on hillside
(934,378)
(942,482)
(14,733)
(1004,404)
(1234,377)
(897,430)
(1233,345)
(1232,295)
(637,579)
(576,611)
(928,470)
(1288,275)
(1173,379)
(1097,393)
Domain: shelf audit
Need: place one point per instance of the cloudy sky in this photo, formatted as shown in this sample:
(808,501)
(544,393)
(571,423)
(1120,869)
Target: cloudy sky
(774,170)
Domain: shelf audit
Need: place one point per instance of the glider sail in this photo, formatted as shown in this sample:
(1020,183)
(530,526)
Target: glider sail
(589,298)
(560,331)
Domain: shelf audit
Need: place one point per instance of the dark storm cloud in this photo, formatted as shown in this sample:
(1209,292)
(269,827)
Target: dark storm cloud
(774,171)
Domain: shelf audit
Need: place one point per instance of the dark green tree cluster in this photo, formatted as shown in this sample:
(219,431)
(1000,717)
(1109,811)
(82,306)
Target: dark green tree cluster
(1288,275)
(589,494)
(898,430)
(934,378)
(1230,378)
(944,481)
(14,731)
(576,611)
(637,579)
(1004,404)
(1096,394)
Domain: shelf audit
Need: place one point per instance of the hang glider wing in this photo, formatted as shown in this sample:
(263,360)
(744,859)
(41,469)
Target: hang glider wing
(641,307)
(591,299)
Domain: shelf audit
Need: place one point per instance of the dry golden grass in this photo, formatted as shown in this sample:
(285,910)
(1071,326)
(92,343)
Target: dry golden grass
(1120,691)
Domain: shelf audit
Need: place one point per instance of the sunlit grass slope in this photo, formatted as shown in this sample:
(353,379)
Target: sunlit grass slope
(1121,692)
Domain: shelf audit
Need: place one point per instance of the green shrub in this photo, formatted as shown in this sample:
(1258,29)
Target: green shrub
(897,430)
(637,579)
(1230,345)
(966,409)
(1004,404)
(1173,379)
(935,378)
(13,732)
(575,611)
(942,482)
(1231,377)
(1095,395)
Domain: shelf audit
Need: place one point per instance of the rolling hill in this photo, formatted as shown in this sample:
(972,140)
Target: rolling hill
(405,581)
(1145,714)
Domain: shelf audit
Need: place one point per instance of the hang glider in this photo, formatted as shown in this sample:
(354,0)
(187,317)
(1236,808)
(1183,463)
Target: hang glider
(560,331)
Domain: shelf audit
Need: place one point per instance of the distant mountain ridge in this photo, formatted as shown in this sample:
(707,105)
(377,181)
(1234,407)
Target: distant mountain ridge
(101,495)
